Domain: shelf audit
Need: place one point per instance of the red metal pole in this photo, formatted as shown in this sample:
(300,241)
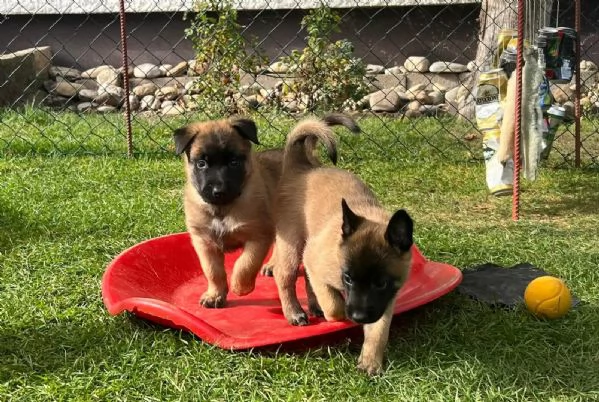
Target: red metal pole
(126,78)
(577,109)
(517,125)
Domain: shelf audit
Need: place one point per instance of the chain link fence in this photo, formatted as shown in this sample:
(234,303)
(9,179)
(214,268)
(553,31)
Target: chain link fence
(406,68)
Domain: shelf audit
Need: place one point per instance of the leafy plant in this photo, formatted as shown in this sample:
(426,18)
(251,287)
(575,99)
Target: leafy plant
(221,52)
(327,73)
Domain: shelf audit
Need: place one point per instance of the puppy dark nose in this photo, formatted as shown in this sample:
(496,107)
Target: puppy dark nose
(359,316)
(218,192)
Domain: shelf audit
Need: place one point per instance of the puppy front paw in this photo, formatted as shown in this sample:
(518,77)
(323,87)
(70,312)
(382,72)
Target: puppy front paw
(370,365)
(213,300)
(299,319)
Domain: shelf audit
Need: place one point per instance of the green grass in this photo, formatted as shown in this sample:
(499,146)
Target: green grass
(63,219)
(36,131)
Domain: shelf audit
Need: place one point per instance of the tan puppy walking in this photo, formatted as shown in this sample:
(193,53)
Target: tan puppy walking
(356,255)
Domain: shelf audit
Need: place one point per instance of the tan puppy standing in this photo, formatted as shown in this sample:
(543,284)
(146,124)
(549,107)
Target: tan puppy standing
(356,255)
(228,200)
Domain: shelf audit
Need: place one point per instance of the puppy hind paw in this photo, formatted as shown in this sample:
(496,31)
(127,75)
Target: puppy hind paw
(242,287)
(267,270)
(315,310)
(370,366)
(210,300)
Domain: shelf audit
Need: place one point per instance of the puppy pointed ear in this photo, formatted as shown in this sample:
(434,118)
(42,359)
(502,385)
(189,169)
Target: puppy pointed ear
(351,221)
(400,230)
(182,137)
(246,128)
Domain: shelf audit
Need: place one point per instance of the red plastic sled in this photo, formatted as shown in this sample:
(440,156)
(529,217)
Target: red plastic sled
(161,280)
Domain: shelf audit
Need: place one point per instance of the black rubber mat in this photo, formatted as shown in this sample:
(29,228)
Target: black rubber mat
(500,286)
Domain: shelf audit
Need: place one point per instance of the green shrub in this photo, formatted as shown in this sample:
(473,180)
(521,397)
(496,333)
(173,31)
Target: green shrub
(326,72)
(221,52)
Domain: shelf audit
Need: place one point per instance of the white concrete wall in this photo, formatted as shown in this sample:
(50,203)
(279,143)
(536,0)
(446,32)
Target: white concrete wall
(111,6)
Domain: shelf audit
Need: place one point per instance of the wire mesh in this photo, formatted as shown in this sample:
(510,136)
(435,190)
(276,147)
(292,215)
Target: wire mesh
(407,69)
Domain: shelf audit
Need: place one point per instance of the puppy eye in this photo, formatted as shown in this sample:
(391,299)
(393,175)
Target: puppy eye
(234,162)
(380,284)
(347,279)
(201,164)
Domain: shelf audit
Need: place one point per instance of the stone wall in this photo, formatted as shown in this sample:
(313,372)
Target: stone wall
(416,88)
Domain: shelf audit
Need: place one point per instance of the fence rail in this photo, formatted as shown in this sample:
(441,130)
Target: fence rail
(405,68)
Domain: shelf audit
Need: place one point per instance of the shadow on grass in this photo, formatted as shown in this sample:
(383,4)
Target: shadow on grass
(506,349)
(577,195)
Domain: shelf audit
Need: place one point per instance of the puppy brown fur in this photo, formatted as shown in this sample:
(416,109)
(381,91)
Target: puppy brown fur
(356,255)
(228,200)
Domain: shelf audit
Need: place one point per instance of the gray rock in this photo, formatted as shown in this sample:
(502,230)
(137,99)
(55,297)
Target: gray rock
(436,97)
(423,98)
(417,64)
(93,96)
(291,106)
(22,73)
(116,95)
(167,103)
(413,105)
(87,94)
(172,110)
(109,76)
(156,104)
(587,65)
(562,93)
(413,109)
(168,93)
(106,109)
(85,106)
(433,110)
(253,89)
(385,100)
(146,102)
(249,102)
(177,70)
(164,68)
(404,98)
(95,71)
(414,90)
(471,66)
(374,69)
(147,70)
(133,102)
(431,80)
(278,67)
(68,73)
(451,96)
(191,88)
(447,67)
(67,89)
(89,83)
(145,89)
(397,70)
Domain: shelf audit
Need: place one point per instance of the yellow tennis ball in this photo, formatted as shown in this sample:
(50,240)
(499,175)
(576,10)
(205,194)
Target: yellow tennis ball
(548,297)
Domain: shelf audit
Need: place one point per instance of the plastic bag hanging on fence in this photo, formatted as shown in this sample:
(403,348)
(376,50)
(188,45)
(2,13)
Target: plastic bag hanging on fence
(490,93)
(532,118)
